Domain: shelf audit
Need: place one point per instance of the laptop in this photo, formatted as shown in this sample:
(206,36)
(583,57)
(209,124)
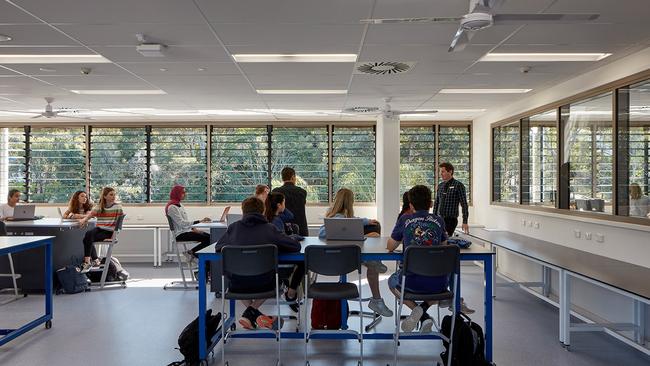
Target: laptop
(25,213)
(230,218)
(224,214)
(61,215)
(344,229)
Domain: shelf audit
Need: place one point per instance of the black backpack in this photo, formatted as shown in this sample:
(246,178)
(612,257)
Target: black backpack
(188,340)
(469,342)
(71,281)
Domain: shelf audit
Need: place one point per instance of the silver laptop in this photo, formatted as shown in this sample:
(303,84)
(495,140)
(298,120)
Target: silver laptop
(25,213)
(344,229)
(230,218)
(63,218)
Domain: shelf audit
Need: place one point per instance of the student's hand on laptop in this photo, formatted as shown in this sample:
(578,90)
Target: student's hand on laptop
(373,235)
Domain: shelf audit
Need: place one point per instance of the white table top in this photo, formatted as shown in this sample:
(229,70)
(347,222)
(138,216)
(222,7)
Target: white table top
(7,242)
(210,225)
(368,246)
(44,222)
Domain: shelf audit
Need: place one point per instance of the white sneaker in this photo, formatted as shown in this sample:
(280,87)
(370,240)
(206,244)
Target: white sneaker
(427,326)
(412,320)
(379,307)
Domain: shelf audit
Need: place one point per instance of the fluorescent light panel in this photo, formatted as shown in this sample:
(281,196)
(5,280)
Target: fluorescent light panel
(543,57)
(53,59)
(301,91)
(119,92)
(484,91)
(296,57)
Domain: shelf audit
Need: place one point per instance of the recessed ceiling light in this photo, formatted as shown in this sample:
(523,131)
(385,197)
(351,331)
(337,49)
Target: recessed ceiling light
(301,91)
(53,59)
(297,57)
(5,38)
(47,69)
(201,69)
(544,57)
(484,91)
(163,69)
(119,92)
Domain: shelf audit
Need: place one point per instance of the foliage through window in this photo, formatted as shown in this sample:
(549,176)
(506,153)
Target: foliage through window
(417,157)
(454,147)
(505,169)
(118,158)
(543,159)
(353,161)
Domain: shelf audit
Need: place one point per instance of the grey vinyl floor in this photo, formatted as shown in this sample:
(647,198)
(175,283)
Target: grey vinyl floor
(140,325)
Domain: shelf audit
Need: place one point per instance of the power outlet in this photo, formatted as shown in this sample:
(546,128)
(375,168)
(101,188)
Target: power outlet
(523,222)
(600,238)
(587,235)
(577,233)
(530,224)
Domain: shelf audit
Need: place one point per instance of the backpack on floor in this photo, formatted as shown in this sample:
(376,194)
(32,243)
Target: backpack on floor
(326,314)
(188,340)
(71,281)
(469,342)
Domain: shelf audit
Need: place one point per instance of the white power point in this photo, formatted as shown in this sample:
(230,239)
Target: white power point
(577,233)
(587,235)
(523,222)
(600,238)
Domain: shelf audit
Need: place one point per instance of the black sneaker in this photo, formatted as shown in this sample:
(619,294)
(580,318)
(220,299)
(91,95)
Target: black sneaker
(294,306)
(247,319)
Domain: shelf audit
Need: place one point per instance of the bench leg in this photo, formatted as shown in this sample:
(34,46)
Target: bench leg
(639,322)
(546,280)
(565,308)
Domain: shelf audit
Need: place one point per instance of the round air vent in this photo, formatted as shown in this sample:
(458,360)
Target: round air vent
(383,68)
(361,109)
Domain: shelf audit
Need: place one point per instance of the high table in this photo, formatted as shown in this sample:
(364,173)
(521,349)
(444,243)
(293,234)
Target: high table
(371,249)
(217,229)
(68,246)
(11,245)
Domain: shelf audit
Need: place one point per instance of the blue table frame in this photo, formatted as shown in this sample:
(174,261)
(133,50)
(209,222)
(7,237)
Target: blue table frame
(473,254)
(16,244)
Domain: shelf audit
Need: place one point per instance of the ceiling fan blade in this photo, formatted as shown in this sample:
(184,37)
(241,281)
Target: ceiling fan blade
(517,19)
(461,40)
(38,116)
(84,118)
(427,111)
(410,20)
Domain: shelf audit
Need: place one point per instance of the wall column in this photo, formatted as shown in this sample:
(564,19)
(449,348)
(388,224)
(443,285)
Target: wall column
(387,173)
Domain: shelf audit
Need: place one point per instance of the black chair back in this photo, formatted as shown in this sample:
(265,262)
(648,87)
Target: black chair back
(432,261)
(120,221)
(3,229)
(170,222)
(333,260)
(249,260)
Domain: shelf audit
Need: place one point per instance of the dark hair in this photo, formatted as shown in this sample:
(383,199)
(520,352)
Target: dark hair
(12,192)
(420,197)
(405,203)
(448,167)
(252,205)
(260,188)
(287,173)
(273,200)
(73,205)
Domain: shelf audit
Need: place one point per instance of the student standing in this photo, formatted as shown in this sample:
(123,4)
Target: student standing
(78,207)
(7,209)
(254,229)
(342,207)
(183,230)
(107,213)
(450,194)
(295,199)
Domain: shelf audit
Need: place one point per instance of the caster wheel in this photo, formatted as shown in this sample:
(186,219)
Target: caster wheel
(24,295)
(233,327)
(48,324)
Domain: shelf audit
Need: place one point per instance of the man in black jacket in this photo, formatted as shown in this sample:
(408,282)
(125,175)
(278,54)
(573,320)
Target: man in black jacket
(295,199)
(254,229)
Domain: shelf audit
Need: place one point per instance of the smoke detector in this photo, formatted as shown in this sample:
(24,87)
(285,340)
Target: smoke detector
(383,67)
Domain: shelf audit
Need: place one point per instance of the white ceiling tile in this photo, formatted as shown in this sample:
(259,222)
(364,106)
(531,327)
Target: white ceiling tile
(302,75)
(621,11)
(66,69)
(34,34)
(113,11)
(420,8)
(289,37)
(171,54)
(124,81)
(9,14)
(286,11)
(198,84)
(572,34)
(420,53)
(182,68)
(439,34)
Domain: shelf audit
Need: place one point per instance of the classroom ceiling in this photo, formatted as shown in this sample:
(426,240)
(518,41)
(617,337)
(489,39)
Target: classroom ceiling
(202,82)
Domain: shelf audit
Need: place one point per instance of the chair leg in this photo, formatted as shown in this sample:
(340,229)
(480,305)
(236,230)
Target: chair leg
(360,322)
(306,322)
(180,263)
(278,334)
(223,321)
(398,312)
(13,274)
(107,263)
(453,322)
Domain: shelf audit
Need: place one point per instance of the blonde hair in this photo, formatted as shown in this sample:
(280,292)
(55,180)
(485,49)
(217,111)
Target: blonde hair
(343,203)
(102,199)
(635,191)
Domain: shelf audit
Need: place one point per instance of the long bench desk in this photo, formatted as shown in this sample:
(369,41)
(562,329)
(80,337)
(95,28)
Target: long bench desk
(372,249)
(10,245)
(620,277)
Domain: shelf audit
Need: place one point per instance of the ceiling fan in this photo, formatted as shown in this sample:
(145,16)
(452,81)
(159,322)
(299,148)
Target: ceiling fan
(49,113)
(482,14)
(386,110)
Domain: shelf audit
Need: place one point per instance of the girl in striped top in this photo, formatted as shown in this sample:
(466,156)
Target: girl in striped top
(107,213)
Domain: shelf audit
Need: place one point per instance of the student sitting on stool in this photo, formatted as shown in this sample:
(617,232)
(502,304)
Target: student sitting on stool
(254,229)
(183,230)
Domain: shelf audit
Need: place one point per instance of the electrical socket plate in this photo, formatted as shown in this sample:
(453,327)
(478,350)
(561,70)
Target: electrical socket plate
(587,235)
(577,233)
(600,238)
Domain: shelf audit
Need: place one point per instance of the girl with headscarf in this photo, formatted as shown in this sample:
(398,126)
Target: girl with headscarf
(183,230)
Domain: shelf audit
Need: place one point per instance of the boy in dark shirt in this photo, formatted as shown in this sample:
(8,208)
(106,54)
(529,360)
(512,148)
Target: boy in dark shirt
(295,199)
(254,229)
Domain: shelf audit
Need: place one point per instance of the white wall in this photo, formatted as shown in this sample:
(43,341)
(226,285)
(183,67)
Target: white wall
(624,242)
